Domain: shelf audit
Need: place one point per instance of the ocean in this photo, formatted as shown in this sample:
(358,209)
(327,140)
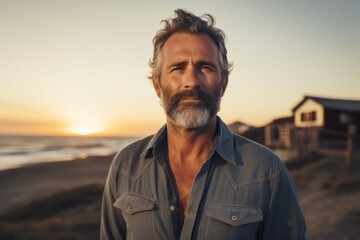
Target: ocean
(16,151)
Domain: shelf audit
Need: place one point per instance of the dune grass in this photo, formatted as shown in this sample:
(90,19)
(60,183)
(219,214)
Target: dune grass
(71,214)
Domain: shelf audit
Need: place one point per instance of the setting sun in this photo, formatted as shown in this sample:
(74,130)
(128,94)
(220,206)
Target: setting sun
(84,131)
(85,122)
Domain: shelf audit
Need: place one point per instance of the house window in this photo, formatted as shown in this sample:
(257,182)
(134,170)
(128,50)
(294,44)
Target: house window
(303,117)
(346,118)
(312,116)
(308,116)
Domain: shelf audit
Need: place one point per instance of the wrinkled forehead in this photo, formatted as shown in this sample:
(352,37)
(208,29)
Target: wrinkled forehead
(199,47)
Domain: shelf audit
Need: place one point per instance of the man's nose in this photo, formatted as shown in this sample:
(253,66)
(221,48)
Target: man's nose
(192,78)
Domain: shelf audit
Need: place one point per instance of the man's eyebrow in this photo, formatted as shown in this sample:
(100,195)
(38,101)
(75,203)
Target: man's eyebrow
(197,64)
(177,64)
(207,63)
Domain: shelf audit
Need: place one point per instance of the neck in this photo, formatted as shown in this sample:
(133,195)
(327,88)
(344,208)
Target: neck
(185,145)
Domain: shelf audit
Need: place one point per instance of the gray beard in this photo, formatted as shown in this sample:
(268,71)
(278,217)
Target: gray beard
(191,118)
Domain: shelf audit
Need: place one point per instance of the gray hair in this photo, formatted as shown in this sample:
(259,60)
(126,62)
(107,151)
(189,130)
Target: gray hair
(188,22)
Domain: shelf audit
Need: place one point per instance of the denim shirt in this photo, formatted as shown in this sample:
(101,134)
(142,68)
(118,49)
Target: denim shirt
(242,191)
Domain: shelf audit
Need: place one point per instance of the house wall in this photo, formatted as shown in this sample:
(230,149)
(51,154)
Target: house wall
(286,132)
(307,107)
(268,135)
(279,135)
(333,121)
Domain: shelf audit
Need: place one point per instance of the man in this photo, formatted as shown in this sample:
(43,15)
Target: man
(194,179)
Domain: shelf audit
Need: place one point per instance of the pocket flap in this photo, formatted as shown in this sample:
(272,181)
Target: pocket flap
(235,215)
(133,203)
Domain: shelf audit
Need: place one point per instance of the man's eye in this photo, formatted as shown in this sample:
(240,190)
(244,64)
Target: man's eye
(206,68)
(174,69)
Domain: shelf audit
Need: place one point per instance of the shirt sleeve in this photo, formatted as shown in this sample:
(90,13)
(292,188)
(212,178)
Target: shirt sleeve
(284,218)
(112,225)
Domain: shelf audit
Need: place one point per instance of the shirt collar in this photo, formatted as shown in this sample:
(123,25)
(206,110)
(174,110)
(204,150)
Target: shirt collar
(156,144)
(223,142)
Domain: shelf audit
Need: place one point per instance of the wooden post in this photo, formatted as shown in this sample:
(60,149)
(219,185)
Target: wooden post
(350,145)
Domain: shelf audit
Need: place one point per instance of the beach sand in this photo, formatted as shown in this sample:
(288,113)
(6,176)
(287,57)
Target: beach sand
(330,212)
(19,186)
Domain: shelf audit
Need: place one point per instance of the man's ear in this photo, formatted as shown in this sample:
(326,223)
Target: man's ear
(224,85)
(156,85)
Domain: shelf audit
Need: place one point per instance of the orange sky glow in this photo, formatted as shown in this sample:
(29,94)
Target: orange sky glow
(80,67)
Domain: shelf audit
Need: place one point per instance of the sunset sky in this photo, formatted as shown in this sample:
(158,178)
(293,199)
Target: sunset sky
(80,66)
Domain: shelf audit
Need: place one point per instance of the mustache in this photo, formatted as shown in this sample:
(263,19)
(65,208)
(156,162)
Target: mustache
(194,93)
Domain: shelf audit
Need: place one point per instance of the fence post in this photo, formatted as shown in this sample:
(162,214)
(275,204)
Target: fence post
(350,144)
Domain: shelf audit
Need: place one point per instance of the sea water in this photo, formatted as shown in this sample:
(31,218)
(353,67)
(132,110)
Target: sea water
(16,151)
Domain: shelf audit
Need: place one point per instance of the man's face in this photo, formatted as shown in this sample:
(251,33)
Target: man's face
(191,85)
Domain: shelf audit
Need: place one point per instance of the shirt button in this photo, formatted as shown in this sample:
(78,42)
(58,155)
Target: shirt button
(172,208)
(234,218)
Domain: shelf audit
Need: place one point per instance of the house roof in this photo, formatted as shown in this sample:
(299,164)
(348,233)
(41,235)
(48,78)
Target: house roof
(283,120)
(334,104)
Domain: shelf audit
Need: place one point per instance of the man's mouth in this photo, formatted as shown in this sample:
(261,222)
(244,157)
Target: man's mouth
(190,99)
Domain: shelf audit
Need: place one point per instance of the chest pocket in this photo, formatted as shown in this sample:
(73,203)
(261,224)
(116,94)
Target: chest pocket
(233,221)
(138,213)
(133,203)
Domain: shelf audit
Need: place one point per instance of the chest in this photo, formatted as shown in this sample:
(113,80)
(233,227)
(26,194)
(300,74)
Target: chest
(184,177)
(221,200)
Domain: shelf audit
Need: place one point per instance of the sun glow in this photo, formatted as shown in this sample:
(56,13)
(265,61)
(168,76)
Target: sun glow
(83,130)
(85,122)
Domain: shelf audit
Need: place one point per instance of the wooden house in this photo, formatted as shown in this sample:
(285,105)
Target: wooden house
(327,113)
(324,123)
(317,124)
(279,133)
